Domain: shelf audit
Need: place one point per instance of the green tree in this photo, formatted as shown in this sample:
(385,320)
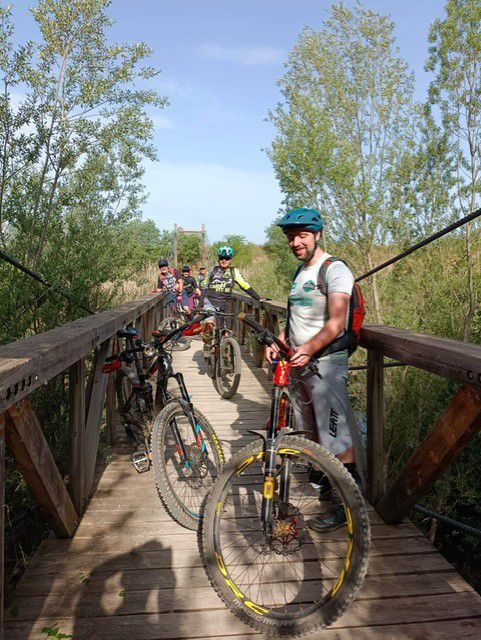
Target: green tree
(455,60)
(74,133)
(346,129)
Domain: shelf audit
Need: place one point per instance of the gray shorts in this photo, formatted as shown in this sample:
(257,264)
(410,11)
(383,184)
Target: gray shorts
(321,405)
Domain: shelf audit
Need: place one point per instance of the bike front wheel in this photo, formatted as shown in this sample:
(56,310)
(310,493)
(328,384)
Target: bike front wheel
(184,481)
(228,369)
(280,577)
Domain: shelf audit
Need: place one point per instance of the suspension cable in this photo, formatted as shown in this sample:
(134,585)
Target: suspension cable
(18,265)
(423,243)
(454,524)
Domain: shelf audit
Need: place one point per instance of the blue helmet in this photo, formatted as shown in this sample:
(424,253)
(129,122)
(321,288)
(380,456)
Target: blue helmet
(309,219)
(225,252)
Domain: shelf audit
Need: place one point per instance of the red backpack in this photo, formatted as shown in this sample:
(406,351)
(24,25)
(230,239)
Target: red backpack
(357,310)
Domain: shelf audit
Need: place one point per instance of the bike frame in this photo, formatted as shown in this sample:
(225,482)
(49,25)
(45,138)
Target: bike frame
(280,418)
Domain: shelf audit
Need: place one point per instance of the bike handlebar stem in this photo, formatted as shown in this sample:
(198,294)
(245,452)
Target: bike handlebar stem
(265,336)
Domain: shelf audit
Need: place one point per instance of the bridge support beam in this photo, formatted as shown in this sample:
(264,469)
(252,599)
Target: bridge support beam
(94,413)
(458,425)
(76,454)
(376,424)
(34,459)
(2,520)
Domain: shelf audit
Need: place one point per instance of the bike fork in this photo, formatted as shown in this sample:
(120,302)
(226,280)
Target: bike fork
(271,452)
(193,422)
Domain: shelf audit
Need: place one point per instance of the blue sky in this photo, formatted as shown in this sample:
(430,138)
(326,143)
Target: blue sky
(220,61)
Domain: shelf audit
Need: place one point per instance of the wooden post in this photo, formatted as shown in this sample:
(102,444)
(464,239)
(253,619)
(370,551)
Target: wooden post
(2,520)
(458,425)
(259,348)
(110,410)
(34,459)
(76,462)
(376,423)
(243,326)
(203,252)
(175,246)
(94,413)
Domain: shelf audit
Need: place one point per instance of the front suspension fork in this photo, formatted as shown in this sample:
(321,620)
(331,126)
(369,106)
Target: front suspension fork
(279,414)
(187,404)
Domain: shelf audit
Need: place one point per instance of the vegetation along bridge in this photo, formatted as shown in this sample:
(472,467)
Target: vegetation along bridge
(119,567)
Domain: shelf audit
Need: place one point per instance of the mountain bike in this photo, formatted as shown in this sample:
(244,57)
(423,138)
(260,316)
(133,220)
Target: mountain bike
(264,562)
(224,358)
(134,393)
(186,453)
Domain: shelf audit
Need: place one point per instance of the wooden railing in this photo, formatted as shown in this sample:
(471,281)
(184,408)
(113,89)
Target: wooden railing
(461,421)
(26,365)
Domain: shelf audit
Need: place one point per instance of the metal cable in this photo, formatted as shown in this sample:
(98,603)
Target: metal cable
(423,243)
(18,265)
(459,526)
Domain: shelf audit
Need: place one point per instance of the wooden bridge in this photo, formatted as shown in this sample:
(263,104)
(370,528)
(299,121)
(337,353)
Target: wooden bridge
(120,568)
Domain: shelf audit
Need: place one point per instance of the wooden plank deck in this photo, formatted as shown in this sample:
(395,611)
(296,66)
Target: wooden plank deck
(131,573)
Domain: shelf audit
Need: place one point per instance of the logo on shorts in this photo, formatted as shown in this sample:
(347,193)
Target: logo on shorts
(308,286)
(333,420)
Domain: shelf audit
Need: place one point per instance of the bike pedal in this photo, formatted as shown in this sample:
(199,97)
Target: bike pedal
(141,460)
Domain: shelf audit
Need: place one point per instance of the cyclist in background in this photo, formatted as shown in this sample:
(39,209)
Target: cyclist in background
(188,288)
(218,292)
(316,323)
(202,278)
(168,283)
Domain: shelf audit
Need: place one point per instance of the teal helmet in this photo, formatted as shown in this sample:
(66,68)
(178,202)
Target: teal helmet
(225,252)
(309,219)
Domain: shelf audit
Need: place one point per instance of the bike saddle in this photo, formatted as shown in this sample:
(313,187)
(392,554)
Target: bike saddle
(128,332)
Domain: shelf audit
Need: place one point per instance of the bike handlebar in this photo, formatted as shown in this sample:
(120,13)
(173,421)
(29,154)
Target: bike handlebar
(265,336)
(116,356)
(198,317)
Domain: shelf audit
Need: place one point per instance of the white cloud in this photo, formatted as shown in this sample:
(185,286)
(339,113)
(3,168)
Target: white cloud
(162,122)
(247,56)
(226,199)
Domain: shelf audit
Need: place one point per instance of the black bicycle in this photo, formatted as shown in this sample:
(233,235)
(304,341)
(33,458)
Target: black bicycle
(186,453)
(264,562)
(224,358)
(135,398)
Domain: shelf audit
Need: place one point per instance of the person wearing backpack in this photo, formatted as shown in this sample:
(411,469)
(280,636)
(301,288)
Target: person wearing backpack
(167,283)
(217,294)
(324,315)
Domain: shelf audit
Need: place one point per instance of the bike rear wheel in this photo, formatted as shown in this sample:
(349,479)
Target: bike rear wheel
(228,370)
(169,324)
(287,579)
(183,487)
(136,418)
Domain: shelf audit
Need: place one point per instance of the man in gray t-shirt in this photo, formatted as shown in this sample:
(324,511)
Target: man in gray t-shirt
(315,321)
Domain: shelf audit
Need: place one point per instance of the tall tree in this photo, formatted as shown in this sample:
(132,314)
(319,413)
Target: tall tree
(455,60)
(74,131)
(346,129)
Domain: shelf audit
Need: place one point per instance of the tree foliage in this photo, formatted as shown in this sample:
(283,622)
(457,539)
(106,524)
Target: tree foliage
(75,130)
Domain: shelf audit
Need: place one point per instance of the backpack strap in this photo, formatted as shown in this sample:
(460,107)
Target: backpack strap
(286,333)
(322,274)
